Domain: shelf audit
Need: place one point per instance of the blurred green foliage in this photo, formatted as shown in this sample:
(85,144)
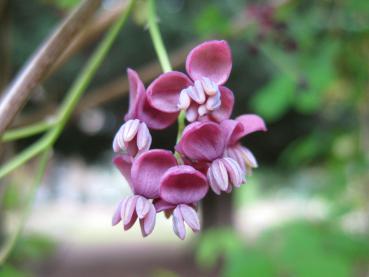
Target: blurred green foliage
(324,76)
(298,248)
(29,249)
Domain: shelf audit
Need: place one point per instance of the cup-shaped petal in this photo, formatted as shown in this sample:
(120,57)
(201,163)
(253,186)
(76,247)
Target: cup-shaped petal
(242,126)
(251,123)
(183,185)
(140,108)
(211,59)
(226,105)
(163,93)
(202,141)
(124,164)
(136,94)
(147,170)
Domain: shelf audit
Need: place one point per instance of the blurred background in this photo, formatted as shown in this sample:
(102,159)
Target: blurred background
(300,64)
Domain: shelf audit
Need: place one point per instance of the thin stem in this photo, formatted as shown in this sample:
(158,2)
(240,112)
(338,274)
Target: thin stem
(13,237)
(35,70)
(27,154)
(162,56)
(71,100)
(84,79)
(28,131)
(181,124)
(156,38)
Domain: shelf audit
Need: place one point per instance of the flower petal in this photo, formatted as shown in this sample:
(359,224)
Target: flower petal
(183,185)
(226,105)
(211,59)
(163,93)
(148,223)
(147,170)
(190,217)
(178,224)
(136,94)
(124,164)
(233,131)
(154,118)
(202,141)
(251,123)
(161,205)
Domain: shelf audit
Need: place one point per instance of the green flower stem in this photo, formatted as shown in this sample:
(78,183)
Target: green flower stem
(181,124)
(162,55)
(28,131)
(72,98)
(13,237)
(156,38)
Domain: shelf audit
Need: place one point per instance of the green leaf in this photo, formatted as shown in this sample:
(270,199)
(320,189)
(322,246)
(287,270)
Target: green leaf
(319,72)
(274,99)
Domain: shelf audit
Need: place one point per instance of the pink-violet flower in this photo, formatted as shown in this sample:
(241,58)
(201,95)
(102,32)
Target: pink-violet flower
(181,188)
(235,130)
(143,175)
(133,137)
(202,145)
(208,65)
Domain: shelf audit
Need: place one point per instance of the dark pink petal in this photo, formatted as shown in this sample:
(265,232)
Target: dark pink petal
(154,118)
(226,106)
(190,217)
(211,59)
(161,205)
(148,223)
(202,141)
(136,94)
(140,108)
(183,185)
(124,164)
(242,126)
(178,224)
(251,123)
(163,93)
(147,170)
(233,130)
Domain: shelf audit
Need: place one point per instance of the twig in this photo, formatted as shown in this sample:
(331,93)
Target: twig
(27,131)
(13,237)
(36,68)
(90,33)
(118,87)
(73,96)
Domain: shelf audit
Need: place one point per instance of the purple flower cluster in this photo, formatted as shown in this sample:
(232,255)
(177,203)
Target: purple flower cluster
(209,153)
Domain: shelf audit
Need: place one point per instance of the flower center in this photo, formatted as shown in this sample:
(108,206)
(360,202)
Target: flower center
(201,98)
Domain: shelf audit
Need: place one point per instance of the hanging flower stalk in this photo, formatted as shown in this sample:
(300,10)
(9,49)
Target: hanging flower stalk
(209,156)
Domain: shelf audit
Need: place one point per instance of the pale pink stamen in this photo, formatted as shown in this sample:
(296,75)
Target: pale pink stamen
(223,174)
(133,137)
